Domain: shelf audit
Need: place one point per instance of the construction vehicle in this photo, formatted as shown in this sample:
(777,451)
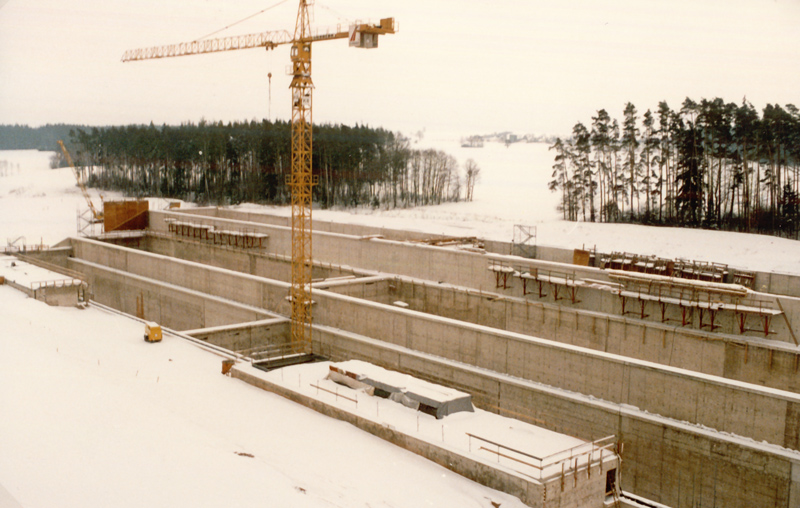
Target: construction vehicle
(97,215)
(301,180)
(152,332)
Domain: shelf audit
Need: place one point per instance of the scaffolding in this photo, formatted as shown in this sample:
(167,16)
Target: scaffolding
(707,298)
(524,242)
(210,234)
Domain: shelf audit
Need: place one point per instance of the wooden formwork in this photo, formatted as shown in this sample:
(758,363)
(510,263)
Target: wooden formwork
(125,215)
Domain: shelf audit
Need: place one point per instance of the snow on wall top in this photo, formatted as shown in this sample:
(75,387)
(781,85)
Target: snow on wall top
(31,276)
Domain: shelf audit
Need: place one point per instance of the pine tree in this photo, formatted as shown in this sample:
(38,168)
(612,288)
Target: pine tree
(630,144)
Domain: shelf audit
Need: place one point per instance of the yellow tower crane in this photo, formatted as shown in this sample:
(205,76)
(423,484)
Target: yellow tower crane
(97,216)
(301,180)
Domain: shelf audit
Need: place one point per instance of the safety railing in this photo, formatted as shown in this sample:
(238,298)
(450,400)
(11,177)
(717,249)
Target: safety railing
(563,463)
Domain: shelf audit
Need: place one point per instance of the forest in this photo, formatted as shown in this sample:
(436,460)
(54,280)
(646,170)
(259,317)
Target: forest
(249,161)
(23,137)
(710,164)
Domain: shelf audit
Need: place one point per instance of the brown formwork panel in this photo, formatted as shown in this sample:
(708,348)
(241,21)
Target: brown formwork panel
(125,215)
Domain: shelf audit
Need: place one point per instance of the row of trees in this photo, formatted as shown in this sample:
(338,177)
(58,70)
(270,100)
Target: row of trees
(250,161)
(710,164)
(24,137)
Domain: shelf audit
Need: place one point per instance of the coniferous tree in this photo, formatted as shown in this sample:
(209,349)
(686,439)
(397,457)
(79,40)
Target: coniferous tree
(630,144)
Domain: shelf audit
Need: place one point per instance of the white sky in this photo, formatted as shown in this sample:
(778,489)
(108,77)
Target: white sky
(455,66)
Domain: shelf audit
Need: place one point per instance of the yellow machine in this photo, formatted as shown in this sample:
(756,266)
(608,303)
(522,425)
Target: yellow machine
(152,332)
(97,215)
(302,179)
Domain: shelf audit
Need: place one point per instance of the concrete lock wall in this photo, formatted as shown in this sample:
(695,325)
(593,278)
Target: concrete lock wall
(750,359)
(244,336)
(252,261)
(151,299)
(735,357)
(235,287)
(677,464)
(754,361)
(319,225)
(721,404)
(440,337)
(767,282)
(469,269)
(729,406)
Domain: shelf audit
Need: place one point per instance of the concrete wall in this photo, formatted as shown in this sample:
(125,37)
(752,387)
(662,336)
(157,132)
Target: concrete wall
(730,406)
(735,357)
(670,462)
(63,296)
(760,362)
(319,225)
(767,282)
(760,414)
(739,408)
(243,336)
(469,269)
(169,305)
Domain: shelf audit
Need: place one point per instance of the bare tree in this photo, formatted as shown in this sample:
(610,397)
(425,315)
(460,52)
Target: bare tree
(473,175)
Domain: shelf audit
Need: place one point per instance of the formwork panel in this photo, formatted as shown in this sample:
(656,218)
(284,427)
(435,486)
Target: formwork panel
(125,215)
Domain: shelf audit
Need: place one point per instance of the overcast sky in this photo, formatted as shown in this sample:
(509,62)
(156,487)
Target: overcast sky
(462,67)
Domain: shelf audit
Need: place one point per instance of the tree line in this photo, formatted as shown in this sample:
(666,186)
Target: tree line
(24,137)
(710,164)
(250,161)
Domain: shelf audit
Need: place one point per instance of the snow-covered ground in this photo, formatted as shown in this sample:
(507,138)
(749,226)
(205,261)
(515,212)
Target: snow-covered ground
(513,190)
(94,416)
(41,204)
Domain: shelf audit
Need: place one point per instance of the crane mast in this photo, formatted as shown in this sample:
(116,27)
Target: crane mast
(97,216)
(301,180)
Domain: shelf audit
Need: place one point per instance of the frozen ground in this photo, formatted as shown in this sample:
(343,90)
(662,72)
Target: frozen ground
(92,416)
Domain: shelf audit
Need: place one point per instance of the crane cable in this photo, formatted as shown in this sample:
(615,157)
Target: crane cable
(241,20)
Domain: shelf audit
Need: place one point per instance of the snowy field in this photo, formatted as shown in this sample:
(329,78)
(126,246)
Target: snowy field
(92,416)
(41,204)
(513,190)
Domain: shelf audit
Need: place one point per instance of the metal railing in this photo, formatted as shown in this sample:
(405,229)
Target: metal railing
(267,353)
(571,460)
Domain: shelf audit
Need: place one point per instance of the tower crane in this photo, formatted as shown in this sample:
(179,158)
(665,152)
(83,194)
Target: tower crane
(97,216)
(301,179)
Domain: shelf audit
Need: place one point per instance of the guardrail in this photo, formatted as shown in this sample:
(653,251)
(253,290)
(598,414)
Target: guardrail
(570,461)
